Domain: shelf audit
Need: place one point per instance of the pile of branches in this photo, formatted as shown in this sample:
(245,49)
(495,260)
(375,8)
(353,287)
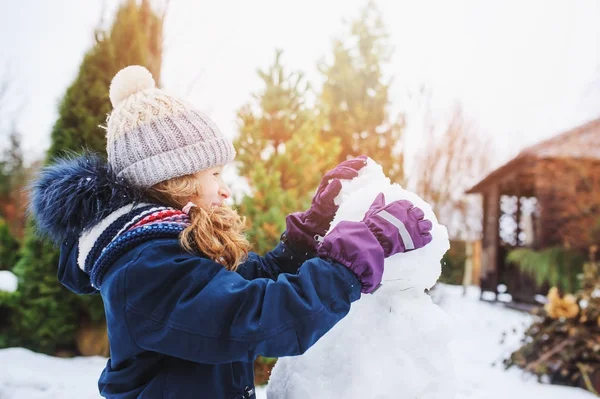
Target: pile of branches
(563,343)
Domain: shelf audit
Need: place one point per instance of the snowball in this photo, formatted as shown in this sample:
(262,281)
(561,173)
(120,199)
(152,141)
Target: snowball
(8,281)
(129,81)
(393,343)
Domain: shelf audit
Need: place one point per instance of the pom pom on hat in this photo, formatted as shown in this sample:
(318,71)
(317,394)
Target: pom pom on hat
(129,81)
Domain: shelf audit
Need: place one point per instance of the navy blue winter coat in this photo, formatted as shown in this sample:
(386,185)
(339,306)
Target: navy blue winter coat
(182,326)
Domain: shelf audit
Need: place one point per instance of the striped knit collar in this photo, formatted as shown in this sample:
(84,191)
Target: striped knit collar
(121,230)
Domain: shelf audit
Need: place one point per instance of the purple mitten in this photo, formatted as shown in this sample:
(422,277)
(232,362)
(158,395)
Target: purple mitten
(398,226)
(353,245)
(308,227)
(384,231)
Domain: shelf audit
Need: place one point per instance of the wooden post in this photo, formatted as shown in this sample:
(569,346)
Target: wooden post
(468,270)
(518,216)
(489,265)
(476,260)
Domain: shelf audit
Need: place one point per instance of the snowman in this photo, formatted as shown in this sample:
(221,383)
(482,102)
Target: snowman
(393,343)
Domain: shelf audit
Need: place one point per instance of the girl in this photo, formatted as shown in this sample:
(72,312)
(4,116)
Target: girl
(188,307)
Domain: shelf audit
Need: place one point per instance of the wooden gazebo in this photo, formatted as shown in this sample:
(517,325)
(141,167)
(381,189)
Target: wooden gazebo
(548,195)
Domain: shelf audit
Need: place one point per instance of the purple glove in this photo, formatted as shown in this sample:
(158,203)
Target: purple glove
(308,227)
(384,231)
(399,226)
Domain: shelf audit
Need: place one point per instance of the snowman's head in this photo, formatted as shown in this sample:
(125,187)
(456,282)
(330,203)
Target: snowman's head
(415,270)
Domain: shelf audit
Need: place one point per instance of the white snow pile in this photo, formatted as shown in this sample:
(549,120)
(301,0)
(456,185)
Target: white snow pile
(8,281)
(479,326)
(28,375)
(393,343)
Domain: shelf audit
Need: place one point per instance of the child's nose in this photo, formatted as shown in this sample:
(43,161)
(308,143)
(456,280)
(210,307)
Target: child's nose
(224,191)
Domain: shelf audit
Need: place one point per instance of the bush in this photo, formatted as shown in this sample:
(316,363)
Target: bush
(453,263)
(557,265)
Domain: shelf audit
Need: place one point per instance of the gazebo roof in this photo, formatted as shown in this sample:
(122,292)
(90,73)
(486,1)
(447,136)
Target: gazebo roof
(582,142)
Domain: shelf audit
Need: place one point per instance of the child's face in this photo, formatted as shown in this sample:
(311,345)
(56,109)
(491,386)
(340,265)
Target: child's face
(212,190)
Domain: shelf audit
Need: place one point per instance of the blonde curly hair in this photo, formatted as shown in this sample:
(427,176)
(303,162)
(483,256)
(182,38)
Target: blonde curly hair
(217,233)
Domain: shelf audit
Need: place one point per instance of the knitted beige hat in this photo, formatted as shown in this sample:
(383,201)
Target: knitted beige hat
(153,137)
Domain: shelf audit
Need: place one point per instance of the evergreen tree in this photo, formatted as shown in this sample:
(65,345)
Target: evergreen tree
(9,247)
(282,153)
(48,314)
(355,95)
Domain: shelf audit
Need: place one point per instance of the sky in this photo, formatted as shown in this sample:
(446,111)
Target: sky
(522,71)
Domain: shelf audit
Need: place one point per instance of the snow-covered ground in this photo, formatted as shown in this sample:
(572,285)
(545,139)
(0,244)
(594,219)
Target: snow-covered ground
(477,346)
(479,327)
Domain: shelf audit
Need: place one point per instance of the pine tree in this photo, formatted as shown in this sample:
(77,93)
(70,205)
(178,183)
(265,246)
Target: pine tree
(9,247)
(282,153)
(355,95)
(48,314)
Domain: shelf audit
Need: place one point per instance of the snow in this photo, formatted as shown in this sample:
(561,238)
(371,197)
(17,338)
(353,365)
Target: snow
(8,281)
(29,375)
(478,351)
(398,337)
(476,345)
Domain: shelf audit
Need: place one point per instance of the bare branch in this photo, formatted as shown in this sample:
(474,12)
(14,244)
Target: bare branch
(11,102)
(454,158)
